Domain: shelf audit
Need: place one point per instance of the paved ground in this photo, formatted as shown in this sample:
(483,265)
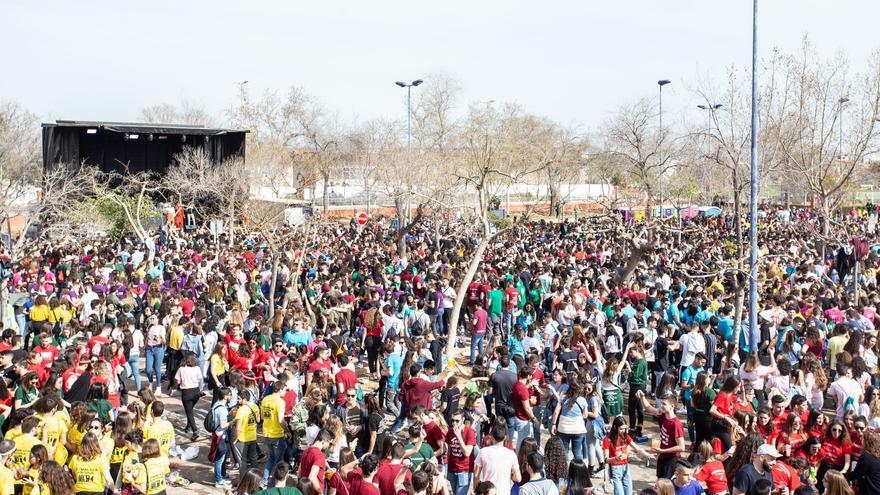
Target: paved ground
(200,472)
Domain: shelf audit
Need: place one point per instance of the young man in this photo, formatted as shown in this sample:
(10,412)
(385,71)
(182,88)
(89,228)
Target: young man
(671,435)
(363,483)
(246,419)
(388,470)
(524,419)
(688,379)
(417,450)
(460,442)
(496,463)
(313,463)
(161,429)
(219,437)
(275,429)
(21,458)
(536,483)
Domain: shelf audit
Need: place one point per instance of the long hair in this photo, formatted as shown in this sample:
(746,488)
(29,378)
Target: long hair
(90,448)
(579,474)
(614,434)
(249,483)
(121,428)
(743,453)
(59,481)
(554,459)
(528,446)
(836,483)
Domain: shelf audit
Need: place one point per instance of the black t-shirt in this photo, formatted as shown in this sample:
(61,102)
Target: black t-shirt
(374,423)
(747,476)
(661,354)
(569,360)
(502,389)
(451,398)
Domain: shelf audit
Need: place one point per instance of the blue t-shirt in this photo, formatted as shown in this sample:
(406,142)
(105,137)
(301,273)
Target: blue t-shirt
(221,413)
(725,326)
(394,362)
(690,377)
(301,338)
(692,488)
(577,409)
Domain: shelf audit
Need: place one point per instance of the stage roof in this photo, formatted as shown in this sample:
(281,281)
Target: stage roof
(143,128)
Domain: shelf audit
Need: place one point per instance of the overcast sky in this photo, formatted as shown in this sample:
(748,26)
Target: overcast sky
(574,61)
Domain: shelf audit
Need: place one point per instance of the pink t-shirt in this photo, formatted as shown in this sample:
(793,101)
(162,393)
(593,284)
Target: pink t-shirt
(188,376)
(496,462)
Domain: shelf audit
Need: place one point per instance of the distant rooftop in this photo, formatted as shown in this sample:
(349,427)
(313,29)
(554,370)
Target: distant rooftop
(143,127)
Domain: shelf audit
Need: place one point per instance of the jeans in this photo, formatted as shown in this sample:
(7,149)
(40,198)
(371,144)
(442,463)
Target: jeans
(134,365)
(248,455)
(476,341)
(275,453)
(538,411)
(440,324)
(391,403)
(222,449)
(577,442)
(522,428)
(460,482)
(658,375)
(155,356)
(594,452)
(401,417)
(621,480)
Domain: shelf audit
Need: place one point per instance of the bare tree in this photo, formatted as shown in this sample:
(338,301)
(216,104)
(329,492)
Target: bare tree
(187,113)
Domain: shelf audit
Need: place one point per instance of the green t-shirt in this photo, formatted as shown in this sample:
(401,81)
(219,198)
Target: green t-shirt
(424,453)
(496,298)
(102,408)
(639,375)
(285,490)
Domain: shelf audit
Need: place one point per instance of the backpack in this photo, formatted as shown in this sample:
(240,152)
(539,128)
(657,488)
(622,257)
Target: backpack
(209,425)
(417,329)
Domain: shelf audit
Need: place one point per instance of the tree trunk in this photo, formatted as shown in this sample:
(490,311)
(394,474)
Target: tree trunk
(553,190)
(272,283)
(326,193)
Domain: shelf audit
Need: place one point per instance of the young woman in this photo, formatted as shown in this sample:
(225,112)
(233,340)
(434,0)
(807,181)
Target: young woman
(579,478)
(151,477)
(612,394)
(188,379)
(248,484)
(555,463)
(836,450)
(702,398)
(569,421)
(26,393)
(217,368)
(722,411)
(836,483)
(121,429)
(616,447)
(55,480)
(638,381)
(596,431)
(90,468)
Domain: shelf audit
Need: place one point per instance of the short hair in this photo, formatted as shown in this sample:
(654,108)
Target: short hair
(499,430)
(535,462)
(324,436)
(368,464)
(484,487)
(278,386)
(282,469)
(151,449)
(29,424)
(762,486)
(420,481)
(700,355)
(157,408)
(397,450)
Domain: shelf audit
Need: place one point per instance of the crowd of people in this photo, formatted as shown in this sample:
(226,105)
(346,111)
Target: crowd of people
(322,368)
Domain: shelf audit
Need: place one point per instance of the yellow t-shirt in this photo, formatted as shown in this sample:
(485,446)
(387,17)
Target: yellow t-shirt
(53,429)
(152,472)
(74,436)
(176,338)
(11,434)
(218,366)
(40,313)
(7,481)
(107,445)
(41,489)
(29,489)
(270,408)
(118,454)
(21,458)
(163,432)
(89,475)
(247,414)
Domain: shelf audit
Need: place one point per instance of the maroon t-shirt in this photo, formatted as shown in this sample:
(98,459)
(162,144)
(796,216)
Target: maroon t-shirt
(357,485)
(417,391)
(670,431)
(458,462)
(433,435)
(520,394)
(313,457)
(385,475)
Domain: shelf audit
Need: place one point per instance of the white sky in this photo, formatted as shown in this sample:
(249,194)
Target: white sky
(573,61)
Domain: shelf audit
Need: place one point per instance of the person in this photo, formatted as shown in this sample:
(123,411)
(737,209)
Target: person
(836,484)
(188,379)
(523,420)
(671,435)
(845,390)
(150,478)
(761,468)
(313,463)
(460,442)
(275,429)
(485,488)
(723,409)
(617,451)
(248,483)
(7,476)
(479,326)
(496,463)
(866,473)
(160,428)
(247,417)
(578,480)
(55,480)
(89,467)
(683,481)
(570,421)
(220,436)
(710,469)
(535,483)
(280,479)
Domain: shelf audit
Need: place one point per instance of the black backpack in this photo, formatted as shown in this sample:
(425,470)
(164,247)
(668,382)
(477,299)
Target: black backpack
(209,425)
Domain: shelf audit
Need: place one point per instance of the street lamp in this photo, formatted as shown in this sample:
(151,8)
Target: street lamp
(661,83)
(842,101)
(754,333)
(408,126)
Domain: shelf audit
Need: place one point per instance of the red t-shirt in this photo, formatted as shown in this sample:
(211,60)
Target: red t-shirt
(833,451)
(725,403)
(712,473)
(313,457)
(785,475)
(96,343)
(69,377)
(48,353)
(187,306)
(856,446)
(458,462)
(349,380)
(358,486)
(535,392)
(326,368)
(779,421)
(385,474)
(476,293)
(417,391)
(670,431)
(289,401)
(520,394)
(617,448)
(433,435)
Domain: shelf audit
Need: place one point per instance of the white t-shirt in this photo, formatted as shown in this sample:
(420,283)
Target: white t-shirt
(448,298)
(843,388)
(137,341)
(691,344)
(496,464)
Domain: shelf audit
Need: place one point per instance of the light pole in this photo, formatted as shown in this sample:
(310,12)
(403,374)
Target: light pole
(753,193)
(709,119)
(408,130)
(661,83)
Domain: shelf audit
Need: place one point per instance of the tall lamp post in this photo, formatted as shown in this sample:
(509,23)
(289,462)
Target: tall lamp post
(753,193)
(408,130)
(710,117)
(661,83)
(842,101)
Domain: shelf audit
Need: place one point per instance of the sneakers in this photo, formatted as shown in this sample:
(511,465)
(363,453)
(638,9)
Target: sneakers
(642,439)
(158,390)
(222,484)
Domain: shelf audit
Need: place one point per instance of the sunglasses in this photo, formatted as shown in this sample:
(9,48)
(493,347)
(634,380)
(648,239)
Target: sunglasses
(96,427)
(836,430)
(860,428)
(456,421)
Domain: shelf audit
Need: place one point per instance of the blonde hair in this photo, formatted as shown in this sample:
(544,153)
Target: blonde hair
(836,484)
(665,487)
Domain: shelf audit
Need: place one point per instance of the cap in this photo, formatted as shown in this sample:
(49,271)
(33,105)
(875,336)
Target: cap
(7,447)
(767,449)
